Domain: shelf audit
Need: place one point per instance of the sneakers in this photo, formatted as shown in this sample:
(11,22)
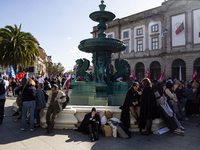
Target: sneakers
(15,114)
(178,131)
(22,129)
(186,118)
(32,129)
(182,128)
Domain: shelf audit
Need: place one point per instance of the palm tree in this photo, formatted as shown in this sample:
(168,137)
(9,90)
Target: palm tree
(17,47)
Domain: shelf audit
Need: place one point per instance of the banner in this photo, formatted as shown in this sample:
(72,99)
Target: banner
(51,76)
(12,72)
(180,75)
(131,75)
(20,76)
(147,72)
(162,75)
(135,78)
(195,75)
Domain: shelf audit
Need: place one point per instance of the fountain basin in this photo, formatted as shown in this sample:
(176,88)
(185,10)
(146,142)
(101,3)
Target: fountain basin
(102,15)
(101,44)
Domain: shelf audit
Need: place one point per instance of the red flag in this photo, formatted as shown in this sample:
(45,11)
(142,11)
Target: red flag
(162,75)
(20,76)
(147,72)
(195,75)
(131,75)
(51,76)
(42,73)
(180,28)
(135,77)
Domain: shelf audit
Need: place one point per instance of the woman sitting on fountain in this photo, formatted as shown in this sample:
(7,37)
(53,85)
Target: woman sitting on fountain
(132,103)
(91,124)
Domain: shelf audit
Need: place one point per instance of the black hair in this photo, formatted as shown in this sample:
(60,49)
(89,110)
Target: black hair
(189,85)
(159,88)
(54,86)
(94,109)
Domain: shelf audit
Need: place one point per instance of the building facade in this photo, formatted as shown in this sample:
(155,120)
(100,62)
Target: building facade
(147,46)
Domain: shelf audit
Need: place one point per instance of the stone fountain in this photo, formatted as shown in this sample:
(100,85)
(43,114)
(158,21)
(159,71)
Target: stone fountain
(100,88)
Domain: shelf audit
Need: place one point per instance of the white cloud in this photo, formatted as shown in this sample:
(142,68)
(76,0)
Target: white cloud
(69,38)
(74,50)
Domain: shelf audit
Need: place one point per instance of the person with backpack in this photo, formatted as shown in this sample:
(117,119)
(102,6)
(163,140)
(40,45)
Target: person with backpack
(40,103)
(55,100)
(2,98)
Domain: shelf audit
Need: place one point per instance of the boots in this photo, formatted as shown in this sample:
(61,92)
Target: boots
(148,127)
(90,131)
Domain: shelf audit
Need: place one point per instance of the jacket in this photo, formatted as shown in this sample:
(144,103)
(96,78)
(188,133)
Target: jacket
(179,94)
(61,98)
(28,93)
(188,93)
(171,95)
(40,98)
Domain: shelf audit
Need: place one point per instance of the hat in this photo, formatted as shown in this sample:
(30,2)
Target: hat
(169,85)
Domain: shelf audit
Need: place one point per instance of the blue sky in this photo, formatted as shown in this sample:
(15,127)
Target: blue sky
(59,25)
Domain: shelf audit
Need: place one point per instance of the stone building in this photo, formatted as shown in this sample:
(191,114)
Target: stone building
(148,47)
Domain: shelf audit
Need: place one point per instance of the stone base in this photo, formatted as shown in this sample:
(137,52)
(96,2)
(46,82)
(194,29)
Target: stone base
(73,115)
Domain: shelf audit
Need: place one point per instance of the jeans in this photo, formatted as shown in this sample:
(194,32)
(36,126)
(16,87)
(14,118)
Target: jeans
(2,103)
(180,111)
(37,115)
(25,106)
(176,120)
(7,90)
(13,90)
(183,102)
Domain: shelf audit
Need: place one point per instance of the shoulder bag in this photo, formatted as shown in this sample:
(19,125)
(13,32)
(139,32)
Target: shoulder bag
(20,97)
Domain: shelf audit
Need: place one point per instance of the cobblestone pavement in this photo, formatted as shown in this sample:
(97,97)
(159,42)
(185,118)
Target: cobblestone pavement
(12,138)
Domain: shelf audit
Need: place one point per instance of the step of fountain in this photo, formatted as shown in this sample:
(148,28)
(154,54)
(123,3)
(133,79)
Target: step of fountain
(73,115)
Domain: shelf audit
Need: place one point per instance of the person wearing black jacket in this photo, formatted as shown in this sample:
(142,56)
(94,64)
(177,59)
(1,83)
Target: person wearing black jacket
(29,102)
(132,102)
(91,124)
(47,85)
(181,101)
(149,110)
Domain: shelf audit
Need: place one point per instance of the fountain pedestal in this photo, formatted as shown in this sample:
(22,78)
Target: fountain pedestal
(101,90)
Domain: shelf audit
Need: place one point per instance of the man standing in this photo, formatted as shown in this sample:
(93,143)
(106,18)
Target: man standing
(24,80)
(55,100)
(2,98)
(41,80)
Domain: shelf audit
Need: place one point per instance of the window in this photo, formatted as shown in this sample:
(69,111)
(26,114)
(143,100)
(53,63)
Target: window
(155,43)
(139,46)
(110,36)
(139,31)
(127,48)
(126,34)
(154,28)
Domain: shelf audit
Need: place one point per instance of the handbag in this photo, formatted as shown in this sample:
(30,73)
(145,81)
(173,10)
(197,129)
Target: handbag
(107,130)
(20,97)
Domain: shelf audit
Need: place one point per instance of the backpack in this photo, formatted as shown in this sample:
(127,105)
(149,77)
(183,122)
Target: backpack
(2,88)
(46,96)
(123,131)
(65,103)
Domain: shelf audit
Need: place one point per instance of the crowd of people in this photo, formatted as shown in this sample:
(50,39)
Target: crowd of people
(173,101)
(35,99)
